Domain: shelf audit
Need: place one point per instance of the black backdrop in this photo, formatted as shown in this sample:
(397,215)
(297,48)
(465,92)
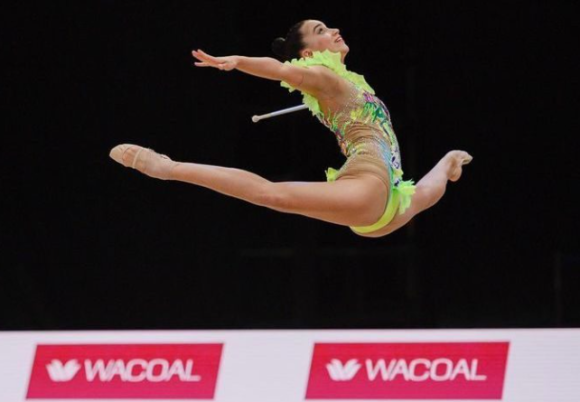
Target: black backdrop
(88,244)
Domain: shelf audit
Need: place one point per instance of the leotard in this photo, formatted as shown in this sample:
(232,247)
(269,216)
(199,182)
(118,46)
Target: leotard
(362,125)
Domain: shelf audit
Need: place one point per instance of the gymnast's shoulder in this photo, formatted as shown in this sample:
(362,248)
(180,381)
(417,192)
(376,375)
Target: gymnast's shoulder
(317,80)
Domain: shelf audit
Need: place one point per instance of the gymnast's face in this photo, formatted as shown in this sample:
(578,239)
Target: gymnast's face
(317,36)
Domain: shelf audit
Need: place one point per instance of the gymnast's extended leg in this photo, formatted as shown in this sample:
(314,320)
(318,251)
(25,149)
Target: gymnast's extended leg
(348,202)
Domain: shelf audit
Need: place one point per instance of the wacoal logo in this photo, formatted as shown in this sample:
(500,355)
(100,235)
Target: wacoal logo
(135,370)
(59,372)
(435,370)
(340,372)
(152,371)
(414,370)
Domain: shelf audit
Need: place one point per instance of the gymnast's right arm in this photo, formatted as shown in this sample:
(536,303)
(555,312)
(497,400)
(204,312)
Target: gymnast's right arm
(315,79)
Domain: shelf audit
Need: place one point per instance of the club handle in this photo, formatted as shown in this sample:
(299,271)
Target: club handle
(256,118)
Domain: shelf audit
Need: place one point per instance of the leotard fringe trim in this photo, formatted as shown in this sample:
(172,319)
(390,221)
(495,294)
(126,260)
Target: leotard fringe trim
(332,61)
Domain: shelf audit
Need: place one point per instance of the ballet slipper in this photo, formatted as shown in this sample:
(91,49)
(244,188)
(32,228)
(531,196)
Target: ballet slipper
(145,160)
(455,170)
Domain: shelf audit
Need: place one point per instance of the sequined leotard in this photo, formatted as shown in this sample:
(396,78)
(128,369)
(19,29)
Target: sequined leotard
(362,125)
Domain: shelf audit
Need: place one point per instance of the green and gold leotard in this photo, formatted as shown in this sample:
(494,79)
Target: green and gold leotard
(362,125)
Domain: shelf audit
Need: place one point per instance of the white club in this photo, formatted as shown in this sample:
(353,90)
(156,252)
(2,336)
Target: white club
(256,119)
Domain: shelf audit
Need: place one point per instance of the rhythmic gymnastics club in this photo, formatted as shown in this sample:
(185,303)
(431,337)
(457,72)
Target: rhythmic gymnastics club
(256,119)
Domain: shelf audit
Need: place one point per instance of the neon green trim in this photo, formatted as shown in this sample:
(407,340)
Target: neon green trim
(400,200)
(331,60)
(388,216)
(331,174)
(406,189)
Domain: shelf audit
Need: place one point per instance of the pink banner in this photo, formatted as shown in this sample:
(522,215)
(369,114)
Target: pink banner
(408,370)
(145,371)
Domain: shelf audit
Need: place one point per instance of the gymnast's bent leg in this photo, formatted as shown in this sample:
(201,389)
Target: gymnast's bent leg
(429,190)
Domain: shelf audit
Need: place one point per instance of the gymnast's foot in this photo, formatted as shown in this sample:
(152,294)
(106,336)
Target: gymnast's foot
(456,159)
(145,160)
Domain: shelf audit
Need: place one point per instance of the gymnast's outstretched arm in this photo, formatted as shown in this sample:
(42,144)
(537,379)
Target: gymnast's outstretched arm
(313,79)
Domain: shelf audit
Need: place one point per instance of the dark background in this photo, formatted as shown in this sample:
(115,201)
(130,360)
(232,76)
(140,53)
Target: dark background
(89,244)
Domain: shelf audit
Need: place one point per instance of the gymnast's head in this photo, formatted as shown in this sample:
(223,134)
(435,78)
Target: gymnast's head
(308,36)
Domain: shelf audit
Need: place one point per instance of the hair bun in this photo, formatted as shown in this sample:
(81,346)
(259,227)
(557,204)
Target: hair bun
(279,46)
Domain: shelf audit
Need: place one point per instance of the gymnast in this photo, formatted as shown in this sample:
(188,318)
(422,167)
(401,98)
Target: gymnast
(367,193)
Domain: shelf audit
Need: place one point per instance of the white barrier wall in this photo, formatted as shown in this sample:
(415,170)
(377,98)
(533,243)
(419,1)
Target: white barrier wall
(281,366)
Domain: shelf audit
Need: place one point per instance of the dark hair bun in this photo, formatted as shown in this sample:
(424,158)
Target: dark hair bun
(279,47)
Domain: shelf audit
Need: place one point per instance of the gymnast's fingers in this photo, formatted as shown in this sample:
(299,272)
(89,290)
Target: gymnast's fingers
(200,54)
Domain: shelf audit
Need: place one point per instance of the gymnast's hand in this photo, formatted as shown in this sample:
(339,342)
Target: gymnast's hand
(226,63)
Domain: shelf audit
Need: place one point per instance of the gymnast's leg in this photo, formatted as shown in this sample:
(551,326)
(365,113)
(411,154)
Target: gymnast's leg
(350,202)
(429,190)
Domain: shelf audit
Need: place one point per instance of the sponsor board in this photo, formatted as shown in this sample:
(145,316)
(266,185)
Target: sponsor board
(537,365)
(151,371)
(422,370)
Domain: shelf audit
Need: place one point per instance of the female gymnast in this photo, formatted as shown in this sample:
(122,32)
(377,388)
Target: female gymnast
(367,193)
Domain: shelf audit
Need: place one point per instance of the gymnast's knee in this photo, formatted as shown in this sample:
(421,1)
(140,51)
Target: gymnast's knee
(269,195)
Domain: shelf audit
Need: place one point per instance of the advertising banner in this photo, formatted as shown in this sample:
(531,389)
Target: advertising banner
(515,365)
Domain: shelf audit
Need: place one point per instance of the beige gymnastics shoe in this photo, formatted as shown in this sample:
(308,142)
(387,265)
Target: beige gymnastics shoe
(457,160)
(145,160)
